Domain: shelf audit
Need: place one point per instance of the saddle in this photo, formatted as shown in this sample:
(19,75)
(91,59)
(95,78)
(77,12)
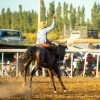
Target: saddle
(50,46)
(45,45)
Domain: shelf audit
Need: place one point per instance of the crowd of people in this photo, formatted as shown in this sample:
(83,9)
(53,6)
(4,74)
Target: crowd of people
(78,64)
(64,66)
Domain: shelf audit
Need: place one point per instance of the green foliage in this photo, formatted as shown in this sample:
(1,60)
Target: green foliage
(52,36)
(27,21)
(50,12)
(42,11)
(65,14)
(95,16)
(59,20)
(30,38)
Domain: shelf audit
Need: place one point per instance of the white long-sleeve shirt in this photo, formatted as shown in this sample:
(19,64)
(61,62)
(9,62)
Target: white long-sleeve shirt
(42,34)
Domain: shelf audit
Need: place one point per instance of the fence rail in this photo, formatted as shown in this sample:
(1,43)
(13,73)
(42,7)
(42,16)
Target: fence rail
(75,50)
(86,51)
(13,50)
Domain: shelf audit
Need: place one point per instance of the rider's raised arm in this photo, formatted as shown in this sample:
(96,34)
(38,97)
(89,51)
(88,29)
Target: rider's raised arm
(51,27)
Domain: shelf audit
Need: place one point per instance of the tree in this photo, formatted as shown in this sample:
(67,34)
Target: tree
(3,24)
(65,14)
(8,18)
(59,20)
(0,20)
(95,16)
(83,16)
(99,17)
(74,17)
(16,20)
(78,16)
(89,24)
(71,15)
(51,12)
(42,11)
(34,17)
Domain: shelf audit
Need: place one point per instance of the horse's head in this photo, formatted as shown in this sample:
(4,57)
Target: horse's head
(61,51)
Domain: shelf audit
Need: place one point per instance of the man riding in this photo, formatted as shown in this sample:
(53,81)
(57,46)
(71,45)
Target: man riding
(43,31)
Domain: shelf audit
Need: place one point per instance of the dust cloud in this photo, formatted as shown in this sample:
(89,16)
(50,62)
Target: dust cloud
(14,91)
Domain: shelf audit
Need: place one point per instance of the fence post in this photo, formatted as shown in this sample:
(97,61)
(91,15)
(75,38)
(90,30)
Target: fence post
(84,64)
(2,64)
(97,66)
(17,65)
(71,65)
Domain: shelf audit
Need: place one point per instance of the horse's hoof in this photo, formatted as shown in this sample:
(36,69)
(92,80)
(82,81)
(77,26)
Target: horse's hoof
(16,77)
(30,89)
(55,92)
(65,90)
(24,84)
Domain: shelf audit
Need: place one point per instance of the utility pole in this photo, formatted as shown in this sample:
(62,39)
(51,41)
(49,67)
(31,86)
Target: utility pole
(37,72)
(64,26)
(39,18)
(39,4)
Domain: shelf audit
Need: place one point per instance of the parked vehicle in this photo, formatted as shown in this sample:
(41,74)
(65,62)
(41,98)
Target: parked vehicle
(11,36)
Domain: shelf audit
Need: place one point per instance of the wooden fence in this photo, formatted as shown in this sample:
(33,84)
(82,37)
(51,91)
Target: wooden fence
(86,51)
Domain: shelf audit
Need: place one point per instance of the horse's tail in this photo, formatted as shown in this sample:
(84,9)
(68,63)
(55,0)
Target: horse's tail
(26,58)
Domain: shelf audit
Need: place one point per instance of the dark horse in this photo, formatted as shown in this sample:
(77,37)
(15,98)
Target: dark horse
(44,58)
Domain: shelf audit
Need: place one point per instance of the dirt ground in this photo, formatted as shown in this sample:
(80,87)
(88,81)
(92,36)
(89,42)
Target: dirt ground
(79,88)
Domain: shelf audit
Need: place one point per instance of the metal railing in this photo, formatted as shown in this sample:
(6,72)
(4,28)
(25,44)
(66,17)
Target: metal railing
(86,51)
(9,51)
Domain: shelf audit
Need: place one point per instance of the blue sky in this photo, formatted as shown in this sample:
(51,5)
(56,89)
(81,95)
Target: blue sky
(33,4)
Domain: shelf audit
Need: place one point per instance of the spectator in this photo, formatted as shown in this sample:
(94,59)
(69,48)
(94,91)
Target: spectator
(90,60)
(8,68)
(15,56)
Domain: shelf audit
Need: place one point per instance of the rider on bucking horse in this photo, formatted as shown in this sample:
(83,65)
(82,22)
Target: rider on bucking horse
(42,34)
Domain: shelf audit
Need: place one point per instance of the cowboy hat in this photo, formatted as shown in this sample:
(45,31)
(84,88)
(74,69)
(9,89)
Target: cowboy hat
(42,24)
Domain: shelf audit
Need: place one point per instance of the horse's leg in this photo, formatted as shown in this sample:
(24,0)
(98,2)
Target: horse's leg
(25,74)
(56,70)
(26,69)
(65,73)
(32,73)
(52,79)
(36,66)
